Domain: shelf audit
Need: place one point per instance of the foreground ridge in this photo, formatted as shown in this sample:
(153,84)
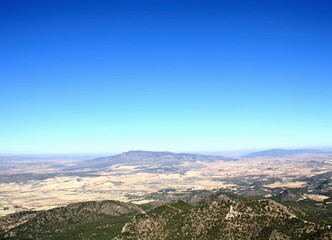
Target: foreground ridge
(225,218)
(220,216)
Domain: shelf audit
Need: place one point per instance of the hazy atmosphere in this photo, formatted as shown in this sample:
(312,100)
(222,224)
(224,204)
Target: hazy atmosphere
(112,76)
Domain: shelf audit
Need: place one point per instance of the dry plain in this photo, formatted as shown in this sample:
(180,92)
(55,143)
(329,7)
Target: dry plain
(134,182)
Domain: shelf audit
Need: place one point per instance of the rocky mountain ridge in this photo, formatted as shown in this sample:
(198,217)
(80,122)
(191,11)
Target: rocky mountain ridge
(225,218)
(221,216)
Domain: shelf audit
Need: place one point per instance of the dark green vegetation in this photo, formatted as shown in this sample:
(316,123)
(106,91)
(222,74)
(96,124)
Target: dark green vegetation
(320,184)
(102,227)
(220,216)
(225,217)
(87,220)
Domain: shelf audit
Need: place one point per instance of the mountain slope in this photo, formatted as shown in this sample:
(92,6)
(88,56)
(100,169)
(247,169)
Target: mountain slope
(226,218)
(280,153)
(147,157)
(223,216)
(321,183)
(86,220)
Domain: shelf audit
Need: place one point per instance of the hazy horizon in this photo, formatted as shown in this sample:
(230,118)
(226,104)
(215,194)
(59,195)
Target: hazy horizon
(231,153)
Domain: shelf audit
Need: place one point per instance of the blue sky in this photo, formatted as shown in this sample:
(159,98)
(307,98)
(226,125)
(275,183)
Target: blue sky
(111,76)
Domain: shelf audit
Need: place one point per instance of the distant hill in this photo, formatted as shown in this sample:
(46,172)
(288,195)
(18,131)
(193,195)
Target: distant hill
(148,157)
(320,184)
(281,153)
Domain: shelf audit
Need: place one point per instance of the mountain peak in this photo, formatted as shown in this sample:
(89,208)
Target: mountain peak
(139,157)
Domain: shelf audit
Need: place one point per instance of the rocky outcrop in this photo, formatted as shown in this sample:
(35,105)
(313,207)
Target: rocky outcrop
(226,218)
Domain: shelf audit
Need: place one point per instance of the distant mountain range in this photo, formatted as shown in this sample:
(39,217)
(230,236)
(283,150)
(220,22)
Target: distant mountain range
(148,157)
(281,153)
(169,158)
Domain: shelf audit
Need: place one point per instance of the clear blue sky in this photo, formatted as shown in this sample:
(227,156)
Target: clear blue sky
(112,76)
